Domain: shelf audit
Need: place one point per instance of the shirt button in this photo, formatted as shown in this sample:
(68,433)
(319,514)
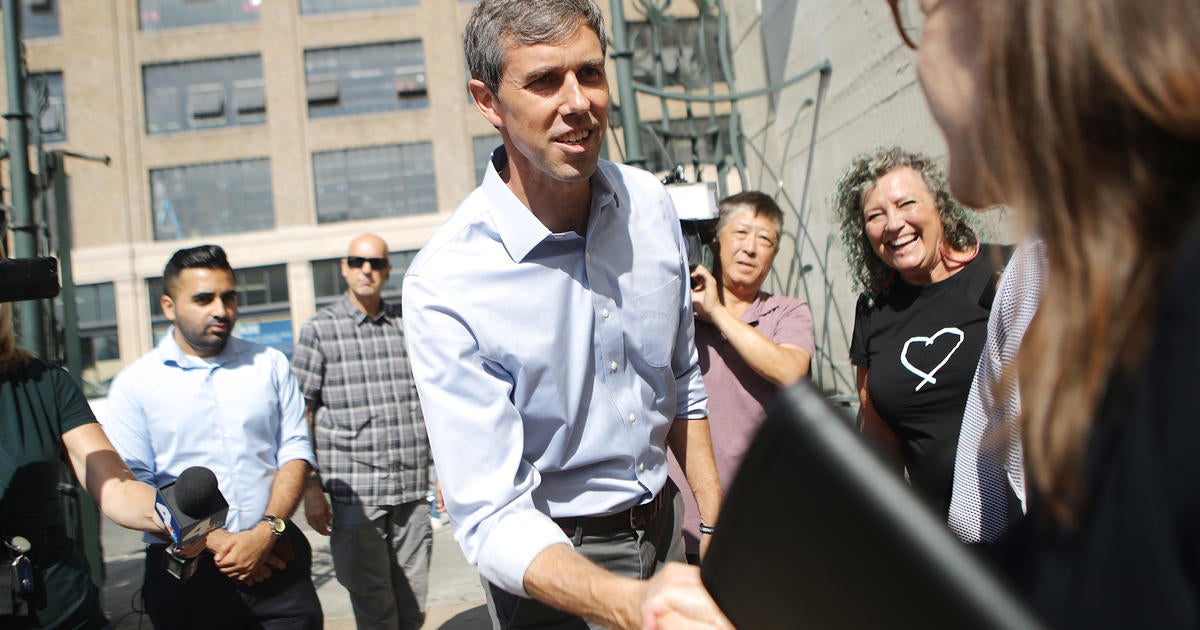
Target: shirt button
(612,367)
(632,418)
(642,467)
(604,313)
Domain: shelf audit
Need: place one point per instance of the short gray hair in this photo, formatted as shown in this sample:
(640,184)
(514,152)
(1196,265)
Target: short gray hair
(497,24)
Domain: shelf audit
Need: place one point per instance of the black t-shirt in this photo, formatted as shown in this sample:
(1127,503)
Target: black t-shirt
(38,404)
(921,345)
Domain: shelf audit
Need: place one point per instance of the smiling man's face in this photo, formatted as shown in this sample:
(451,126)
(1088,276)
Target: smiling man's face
(552,109)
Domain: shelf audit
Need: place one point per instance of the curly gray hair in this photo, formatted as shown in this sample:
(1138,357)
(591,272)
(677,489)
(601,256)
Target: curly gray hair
(871,273)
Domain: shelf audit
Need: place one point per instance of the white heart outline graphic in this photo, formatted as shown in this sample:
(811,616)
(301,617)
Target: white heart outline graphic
(928,341)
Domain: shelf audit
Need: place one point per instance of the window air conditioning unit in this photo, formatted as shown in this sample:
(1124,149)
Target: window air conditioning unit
(323,90)
(207,104)
(250,98)
(410,82)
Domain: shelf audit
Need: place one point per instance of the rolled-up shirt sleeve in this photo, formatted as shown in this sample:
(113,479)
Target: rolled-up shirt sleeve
(476,434)
(293,437)
(692,397)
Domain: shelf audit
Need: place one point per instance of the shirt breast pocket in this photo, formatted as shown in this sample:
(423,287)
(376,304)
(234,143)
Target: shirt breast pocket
(658,321)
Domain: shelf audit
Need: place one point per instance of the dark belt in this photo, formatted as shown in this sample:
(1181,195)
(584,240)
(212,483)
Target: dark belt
(635,517)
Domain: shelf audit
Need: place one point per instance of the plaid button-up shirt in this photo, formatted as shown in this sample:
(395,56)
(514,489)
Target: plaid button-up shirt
(370,436)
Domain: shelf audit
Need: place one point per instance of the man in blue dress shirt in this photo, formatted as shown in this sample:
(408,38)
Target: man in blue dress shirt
(205,398)
(549,327)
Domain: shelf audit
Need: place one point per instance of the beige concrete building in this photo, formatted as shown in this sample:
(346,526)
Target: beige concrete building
(281,128)
(275,128)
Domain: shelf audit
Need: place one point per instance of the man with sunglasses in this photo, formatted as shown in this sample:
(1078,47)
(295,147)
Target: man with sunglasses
(370,440)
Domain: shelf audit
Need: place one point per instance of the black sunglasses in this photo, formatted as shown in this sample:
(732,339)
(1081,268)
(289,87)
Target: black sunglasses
(356,262)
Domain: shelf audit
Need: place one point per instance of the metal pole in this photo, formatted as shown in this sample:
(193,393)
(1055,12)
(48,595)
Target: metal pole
(73,346)
(25,236)
(623,56)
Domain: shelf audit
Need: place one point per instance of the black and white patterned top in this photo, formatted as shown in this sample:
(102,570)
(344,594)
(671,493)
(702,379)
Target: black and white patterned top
(989,445)
(370,435)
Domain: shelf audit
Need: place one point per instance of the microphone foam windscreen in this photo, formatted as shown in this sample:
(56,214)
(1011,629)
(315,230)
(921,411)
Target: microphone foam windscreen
(196,492)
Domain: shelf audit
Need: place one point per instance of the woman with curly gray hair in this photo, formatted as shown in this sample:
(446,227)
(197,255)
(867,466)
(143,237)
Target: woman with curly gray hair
(922,317)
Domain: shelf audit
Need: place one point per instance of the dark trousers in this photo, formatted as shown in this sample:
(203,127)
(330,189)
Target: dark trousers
(635,553)
(381,555)
(285,601)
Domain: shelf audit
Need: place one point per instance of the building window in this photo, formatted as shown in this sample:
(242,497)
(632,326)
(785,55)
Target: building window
(328,284)
(363,79)
(264,313)
(683,62)
(97,320)
(482,147)
(39,18)
(209,199)
(686,142)
(51,112)
(201,94)
(312,7)
(159,14)
(375,182)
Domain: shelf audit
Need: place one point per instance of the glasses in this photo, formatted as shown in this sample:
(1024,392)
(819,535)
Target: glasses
(909,20)
(356,262)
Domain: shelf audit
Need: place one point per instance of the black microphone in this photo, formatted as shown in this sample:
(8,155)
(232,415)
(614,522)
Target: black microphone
(190,508)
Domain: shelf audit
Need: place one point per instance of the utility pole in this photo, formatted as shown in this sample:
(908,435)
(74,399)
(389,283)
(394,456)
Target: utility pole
(25,230)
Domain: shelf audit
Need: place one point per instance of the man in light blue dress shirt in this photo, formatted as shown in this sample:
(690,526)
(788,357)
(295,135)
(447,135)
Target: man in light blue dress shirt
(550,330)
(205,398)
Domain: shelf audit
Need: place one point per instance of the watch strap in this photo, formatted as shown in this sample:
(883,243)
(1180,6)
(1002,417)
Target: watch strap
(278,525)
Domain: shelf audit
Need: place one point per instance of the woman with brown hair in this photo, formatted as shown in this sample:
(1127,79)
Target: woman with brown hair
(44,421)
(1084,115)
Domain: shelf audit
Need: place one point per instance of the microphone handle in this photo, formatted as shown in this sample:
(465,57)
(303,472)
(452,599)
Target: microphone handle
(179,568)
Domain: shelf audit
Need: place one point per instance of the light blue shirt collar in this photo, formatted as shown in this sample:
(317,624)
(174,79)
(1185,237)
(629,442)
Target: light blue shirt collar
(170,353)
(520,231)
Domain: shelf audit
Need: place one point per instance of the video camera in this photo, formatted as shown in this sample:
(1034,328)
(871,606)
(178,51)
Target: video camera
(696,205)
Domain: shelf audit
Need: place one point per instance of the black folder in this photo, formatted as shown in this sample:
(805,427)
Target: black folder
(816,532)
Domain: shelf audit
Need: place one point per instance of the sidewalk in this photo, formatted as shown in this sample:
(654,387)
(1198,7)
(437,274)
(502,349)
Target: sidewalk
(455,600)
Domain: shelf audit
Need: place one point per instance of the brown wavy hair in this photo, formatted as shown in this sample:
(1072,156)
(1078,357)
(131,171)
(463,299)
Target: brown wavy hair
(1091,123)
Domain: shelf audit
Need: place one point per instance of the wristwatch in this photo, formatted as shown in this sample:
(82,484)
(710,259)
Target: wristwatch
(278,525)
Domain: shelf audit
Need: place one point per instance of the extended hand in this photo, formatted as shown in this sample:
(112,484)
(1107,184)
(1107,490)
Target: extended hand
(316,509)
(675,598)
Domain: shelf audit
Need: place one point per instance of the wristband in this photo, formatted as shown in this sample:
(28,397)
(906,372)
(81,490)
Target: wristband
(705,529)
